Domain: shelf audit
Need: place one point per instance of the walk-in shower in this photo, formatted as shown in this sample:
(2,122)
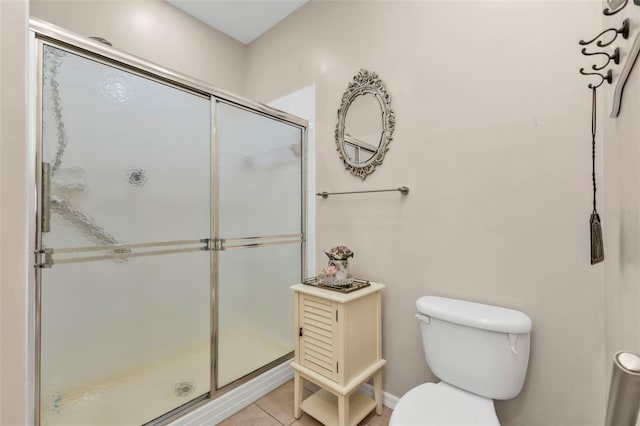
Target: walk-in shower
(170,223)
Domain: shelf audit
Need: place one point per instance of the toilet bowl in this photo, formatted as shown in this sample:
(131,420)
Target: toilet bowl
(442,404)
(480,353)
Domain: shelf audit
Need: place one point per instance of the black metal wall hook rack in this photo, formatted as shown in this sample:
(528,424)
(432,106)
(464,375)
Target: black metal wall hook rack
(623,30)
(608,77)
(615,57)
(613,7)
(610,12)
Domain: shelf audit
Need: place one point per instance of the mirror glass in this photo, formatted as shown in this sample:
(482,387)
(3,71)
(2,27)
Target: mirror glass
(363,128)
(365,124)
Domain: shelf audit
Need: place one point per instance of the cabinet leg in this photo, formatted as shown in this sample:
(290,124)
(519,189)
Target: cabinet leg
(377,390)
(343,410)
(297,394)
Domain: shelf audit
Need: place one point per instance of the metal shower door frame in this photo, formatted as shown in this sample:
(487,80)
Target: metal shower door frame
(43,33)
(250,242)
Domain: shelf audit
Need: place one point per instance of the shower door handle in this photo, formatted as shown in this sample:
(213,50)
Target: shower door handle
(45,194)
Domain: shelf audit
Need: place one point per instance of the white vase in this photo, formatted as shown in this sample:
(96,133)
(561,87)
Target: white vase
(342,271)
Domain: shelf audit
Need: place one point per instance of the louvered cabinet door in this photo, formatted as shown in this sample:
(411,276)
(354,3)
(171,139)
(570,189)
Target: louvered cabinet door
(318,335)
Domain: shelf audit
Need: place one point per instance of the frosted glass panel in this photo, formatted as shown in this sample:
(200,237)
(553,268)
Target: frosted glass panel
(130,157)
(255,319)
(260,174)
(260,195)
(124,342)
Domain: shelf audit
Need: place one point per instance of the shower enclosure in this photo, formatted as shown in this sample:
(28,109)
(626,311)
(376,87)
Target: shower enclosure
(170,224)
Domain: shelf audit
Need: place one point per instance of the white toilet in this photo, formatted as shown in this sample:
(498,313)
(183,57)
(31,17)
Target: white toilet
(479,352)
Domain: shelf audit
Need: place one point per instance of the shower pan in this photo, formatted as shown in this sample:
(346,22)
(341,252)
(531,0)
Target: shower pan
(169,226)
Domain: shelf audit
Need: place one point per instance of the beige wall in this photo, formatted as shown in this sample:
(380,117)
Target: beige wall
(492,125)
(621,213)
(155,31)
(13,216)
(151,29)
(492,137)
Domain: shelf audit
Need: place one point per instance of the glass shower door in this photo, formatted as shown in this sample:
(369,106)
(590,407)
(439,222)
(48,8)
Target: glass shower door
(260,229)
(125,213)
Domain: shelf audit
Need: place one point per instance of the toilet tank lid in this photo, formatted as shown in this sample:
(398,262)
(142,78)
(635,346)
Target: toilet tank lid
(477,315)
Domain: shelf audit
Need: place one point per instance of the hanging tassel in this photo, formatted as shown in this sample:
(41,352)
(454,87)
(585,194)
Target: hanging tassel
(597,245)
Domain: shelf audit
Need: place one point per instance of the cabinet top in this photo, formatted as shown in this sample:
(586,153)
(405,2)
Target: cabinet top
(337,296)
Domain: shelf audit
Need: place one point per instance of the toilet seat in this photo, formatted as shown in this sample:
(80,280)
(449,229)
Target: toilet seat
(441,404)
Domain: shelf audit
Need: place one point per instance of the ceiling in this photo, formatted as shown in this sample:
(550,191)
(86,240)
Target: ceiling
(244,20)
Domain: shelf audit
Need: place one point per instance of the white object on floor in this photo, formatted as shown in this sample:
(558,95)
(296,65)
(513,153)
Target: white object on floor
(480,352)
(339,348)
(440,404)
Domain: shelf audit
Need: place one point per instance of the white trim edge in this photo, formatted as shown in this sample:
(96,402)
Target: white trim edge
(236,399)
(624,75)
(388,400)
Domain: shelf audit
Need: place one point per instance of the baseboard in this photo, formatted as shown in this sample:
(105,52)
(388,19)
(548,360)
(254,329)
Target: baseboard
(236,399)
(388,400)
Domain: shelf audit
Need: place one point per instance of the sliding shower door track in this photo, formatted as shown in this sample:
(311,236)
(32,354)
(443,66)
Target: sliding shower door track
(180,411)
(189,407)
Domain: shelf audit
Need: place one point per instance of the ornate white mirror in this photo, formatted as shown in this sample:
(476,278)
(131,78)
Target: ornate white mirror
(365,124)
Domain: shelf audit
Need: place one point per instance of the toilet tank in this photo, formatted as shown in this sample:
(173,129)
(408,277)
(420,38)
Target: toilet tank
(480,348)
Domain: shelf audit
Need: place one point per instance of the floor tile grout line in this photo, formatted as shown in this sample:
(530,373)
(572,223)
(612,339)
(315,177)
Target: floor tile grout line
(294,421)
(269,414)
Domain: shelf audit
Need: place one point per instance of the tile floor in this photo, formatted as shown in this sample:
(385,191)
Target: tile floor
(276,409)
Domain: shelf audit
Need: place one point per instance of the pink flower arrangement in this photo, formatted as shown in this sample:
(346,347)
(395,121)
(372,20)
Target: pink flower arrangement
(329,271)
(339,253)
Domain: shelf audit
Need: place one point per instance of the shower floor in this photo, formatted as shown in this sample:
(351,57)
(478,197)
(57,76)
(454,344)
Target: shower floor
(138,394)
(244,349)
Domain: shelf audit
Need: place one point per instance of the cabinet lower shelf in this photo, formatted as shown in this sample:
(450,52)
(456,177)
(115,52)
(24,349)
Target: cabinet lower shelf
(323,406)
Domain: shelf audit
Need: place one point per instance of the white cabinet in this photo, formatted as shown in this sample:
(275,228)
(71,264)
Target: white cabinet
(339,347)
(318,335)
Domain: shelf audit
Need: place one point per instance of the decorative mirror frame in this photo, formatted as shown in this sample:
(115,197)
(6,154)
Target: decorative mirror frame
(366,82)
